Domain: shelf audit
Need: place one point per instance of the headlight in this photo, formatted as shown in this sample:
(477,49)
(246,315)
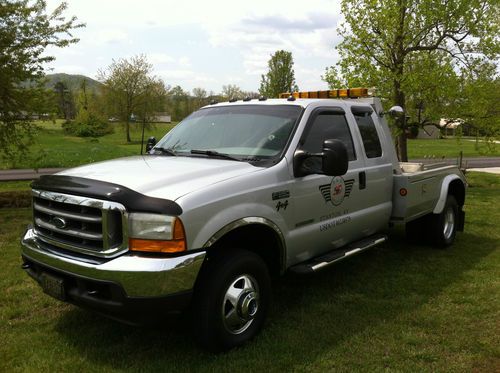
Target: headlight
(156,233)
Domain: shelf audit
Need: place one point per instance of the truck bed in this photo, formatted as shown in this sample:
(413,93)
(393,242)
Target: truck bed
(417,189)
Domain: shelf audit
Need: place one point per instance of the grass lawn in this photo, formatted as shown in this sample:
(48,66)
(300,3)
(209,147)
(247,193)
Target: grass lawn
(54,148)
(399,307)
(450,148)
(9,186)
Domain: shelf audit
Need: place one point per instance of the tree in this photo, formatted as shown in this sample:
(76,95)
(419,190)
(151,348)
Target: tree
(200,98)
(280,78)
(251,94)
(128,83)
(178,103)
(26,30)
(231,91)
(89,120)
(153,101)
(385,40)
(478,106)
(65,101)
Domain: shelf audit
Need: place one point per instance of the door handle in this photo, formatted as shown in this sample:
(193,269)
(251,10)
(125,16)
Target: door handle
(362,180)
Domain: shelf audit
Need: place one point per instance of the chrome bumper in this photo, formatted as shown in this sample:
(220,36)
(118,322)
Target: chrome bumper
(138,276)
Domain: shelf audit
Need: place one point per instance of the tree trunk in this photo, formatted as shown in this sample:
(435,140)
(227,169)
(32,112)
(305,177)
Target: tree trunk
(399,95)
(127,129)
(127,121)
(401,144)
(402,147)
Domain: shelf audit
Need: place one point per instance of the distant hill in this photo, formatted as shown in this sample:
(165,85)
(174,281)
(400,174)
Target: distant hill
(72,81)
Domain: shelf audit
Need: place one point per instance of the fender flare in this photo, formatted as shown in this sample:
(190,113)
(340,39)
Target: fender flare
(249,220)
(444,192)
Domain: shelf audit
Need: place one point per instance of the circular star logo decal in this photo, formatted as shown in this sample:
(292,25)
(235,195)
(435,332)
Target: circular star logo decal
(337,190)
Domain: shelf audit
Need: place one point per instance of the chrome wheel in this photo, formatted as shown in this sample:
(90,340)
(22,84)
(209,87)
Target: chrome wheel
(240,304)
(449,223)
(233,296)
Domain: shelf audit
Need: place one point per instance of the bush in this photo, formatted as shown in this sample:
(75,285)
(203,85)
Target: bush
(15,199)
(413,132)
(88,124)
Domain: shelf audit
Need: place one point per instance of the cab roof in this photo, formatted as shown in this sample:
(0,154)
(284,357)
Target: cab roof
(302,102)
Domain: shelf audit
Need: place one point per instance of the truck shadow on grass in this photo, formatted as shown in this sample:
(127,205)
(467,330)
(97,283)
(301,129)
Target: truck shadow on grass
(311,316)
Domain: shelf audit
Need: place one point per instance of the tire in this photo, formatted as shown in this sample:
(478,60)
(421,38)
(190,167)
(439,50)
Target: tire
(443,226)
(232,298)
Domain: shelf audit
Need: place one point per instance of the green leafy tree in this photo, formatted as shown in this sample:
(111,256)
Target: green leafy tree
(128,84)
(432,87)
(478,105)
(280,77)
(385,41)
(178,103)
(90,121)
(26,30)
(65,101)
(154,101)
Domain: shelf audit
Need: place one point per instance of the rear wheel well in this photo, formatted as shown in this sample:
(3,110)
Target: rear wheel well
(457,190)
(257,238)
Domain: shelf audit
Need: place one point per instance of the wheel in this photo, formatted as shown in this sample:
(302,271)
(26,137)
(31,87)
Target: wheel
(443,226)
(232,297)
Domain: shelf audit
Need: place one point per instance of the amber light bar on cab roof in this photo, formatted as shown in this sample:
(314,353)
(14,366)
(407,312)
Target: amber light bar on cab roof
(331,93)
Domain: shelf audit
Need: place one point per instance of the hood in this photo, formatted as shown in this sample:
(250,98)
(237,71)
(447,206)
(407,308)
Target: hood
(163,176)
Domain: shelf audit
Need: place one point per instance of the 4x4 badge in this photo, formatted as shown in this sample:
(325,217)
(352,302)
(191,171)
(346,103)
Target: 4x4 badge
(337,190)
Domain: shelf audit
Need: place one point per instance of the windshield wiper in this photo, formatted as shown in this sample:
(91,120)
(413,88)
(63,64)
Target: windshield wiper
(214,153)
(166,151)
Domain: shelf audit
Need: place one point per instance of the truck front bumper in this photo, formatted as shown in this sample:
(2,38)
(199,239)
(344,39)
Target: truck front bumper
(124,287)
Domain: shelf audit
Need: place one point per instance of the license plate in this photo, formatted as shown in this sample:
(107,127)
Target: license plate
(53,286)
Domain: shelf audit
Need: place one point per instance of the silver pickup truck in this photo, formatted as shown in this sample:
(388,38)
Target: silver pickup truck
(235,194)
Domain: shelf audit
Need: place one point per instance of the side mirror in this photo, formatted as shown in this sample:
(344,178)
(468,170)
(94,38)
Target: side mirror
(396,111)
(335,158)
(333,161)
(151,142)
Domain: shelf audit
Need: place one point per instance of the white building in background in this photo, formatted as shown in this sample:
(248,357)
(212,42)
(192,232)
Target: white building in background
(447,127)
(162,118)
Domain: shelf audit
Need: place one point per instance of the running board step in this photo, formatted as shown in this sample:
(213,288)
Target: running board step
(320,262)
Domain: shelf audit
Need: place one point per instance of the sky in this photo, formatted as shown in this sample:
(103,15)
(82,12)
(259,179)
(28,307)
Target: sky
(204,44)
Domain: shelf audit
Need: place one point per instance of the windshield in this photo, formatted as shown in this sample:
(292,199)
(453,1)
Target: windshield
(246,132)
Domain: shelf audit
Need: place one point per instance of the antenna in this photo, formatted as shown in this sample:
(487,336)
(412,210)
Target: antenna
(143,125)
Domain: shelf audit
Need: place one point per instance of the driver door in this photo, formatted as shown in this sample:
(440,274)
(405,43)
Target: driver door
(326,207)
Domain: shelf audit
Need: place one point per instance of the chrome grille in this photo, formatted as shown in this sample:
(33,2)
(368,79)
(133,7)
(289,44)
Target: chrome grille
(81,224)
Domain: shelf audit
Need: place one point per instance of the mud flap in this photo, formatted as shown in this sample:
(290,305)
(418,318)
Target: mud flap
(461,220)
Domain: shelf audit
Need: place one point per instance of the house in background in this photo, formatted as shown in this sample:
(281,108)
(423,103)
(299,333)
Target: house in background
(447,127)
(161,118)
(430,131)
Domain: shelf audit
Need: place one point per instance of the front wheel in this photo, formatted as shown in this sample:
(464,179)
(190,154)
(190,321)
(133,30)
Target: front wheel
(232,297)
(443,226)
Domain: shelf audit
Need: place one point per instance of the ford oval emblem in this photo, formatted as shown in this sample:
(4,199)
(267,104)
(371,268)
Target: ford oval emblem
(58,222)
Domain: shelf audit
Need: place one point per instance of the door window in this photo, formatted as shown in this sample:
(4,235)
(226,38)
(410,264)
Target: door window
(326,125)
(371,141)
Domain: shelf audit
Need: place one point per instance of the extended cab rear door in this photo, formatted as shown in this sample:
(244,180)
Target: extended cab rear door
(376,195)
